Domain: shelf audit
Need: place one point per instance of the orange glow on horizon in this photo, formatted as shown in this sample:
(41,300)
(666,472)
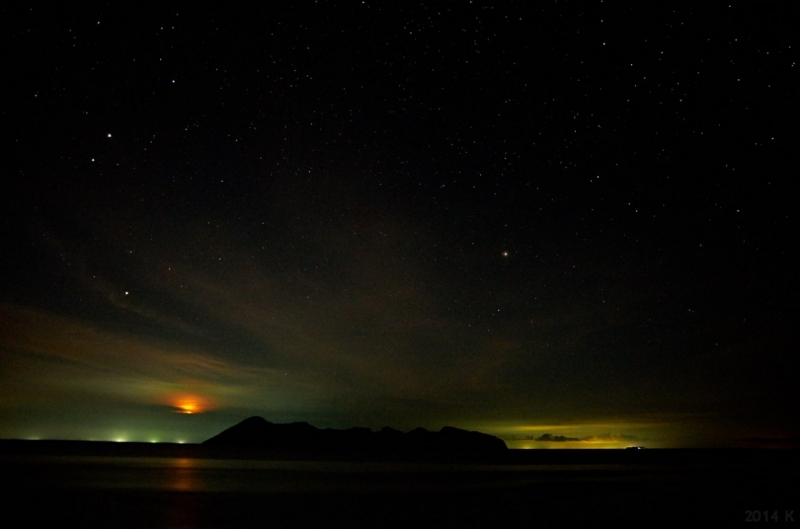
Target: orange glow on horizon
(187,407)
(189,404)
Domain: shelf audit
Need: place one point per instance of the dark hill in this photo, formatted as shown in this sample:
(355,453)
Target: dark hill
(257,432)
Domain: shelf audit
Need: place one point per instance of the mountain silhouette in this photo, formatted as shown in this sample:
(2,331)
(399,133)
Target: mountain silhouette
(257,432)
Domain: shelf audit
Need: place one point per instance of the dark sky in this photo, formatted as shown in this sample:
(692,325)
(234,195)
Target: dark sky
(527,218)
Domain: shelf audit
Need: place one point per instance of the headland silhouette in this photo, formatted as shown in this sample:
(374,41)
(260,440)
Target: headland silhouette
(258,433)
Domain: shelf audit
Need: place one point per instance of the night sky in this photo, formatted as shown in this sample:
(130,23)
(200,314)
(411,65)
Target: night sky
(562,223)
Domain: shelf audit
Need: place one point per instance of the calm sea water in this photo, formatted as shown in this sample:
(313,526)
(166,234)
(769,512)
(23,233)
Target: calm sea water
(259,476)
(186,492)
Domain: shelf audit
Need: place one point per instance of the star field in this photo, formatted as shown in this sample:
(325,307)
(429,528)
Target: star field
(542,221)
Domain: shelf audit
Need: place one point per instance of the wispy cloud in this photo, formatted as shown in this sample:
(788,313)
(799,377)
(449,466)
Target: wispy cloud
(75,356)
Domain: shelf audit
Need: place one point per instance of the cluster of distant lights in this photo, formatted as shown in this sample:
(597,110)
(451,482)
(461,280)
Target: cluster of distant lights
(185,404)
(121,440)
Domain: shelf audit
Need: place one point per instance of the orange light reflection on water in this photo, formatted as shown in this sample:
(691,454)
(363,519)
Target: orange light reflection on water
(182,475)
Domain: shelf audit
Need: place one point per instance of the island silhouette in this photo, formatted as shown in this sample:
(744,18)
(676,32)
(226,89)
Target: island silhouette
(257,432)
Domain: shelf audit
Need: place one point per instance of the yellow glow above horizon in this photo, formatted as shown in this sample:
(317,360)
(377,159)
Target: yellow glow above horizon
(654,431)
(533,444)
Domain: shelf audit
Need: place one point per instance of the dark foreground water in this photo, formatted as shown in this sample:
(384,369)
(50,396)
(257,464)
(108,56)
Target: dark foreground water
(98,486)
